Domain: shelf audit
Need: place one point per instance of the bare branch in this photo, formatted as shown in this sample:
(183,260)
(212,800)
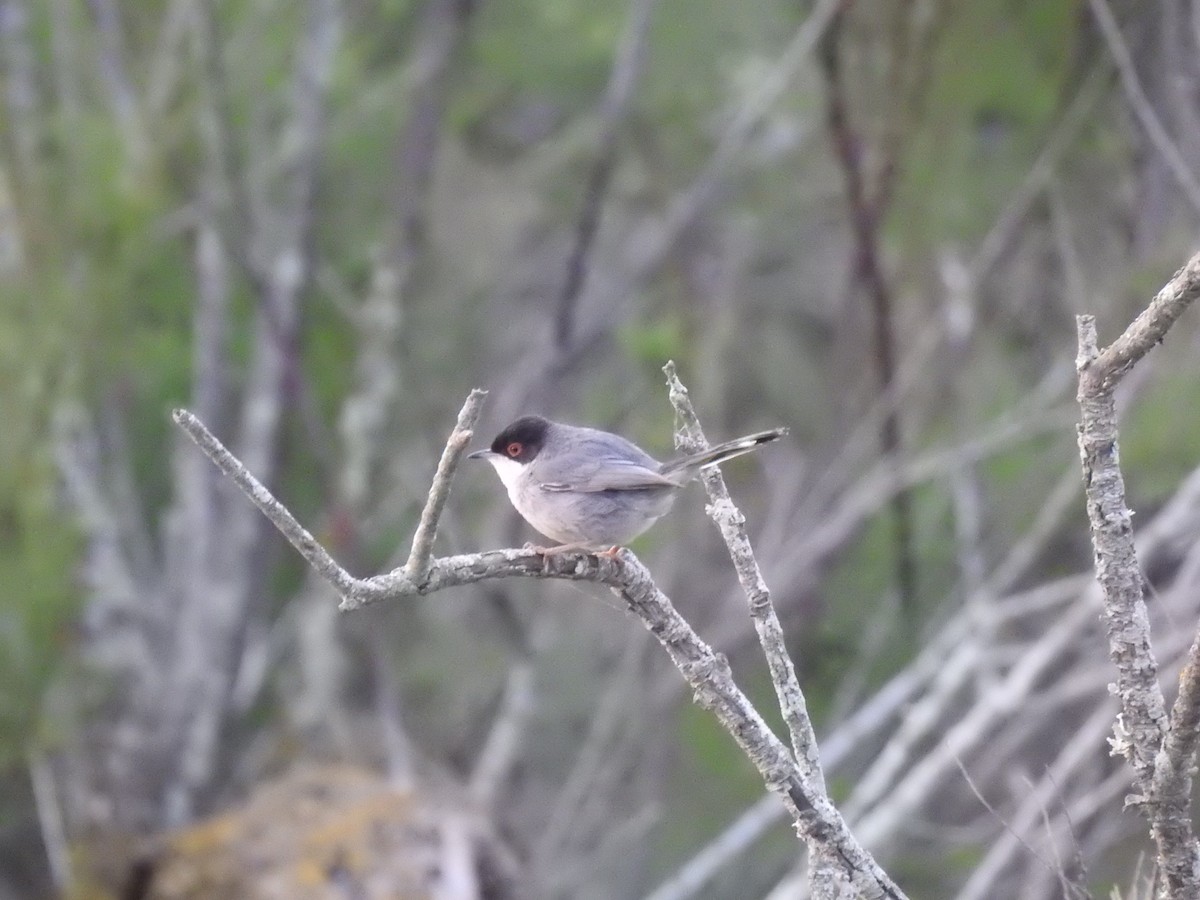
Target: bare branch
(1171,785)
(1174,768)
(1161,754)
(422,546)
(732,523)
(1102,370)
(1144,718)
(817,820)
(297,535)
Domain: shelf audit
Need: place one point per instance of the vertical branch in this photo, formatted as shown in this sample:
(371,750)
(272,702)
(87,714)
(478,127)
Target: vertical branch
(766,623)
(1161,751)
(867,205)
(626,70)
(1144,718)
(439,492)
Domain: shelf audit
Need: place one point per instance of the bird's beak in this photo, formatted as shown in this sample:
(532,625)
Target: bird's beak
(479,454)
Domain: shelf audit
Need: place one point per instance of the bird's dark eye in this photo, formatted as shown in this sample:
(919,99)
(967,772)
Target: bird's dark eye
(514,449)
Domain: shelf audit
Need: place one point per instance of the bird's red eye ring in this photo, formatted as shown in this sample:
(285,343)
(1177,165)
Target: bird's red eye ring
(514,449)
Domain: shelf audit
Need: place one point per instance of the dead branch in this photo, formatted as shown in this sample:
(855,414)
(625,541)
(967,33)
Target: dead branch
(816,819)
(690,438)
(1160,750)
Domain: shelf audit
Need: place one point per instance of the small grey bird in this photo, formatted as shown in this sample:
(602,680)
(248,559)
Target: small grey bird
(590,489)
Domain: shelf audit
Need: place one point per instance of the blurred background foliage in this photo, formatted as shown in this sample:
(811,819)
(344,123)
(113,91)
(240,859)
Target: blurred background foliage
(128,126)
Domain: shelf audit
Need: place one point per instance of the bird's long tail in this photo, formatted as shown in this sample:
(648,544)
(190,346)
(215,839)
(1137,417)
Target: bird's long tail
(690,465)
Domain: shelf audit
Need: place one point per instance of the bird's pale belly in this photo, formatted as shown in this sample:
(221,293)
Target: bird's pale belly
(597,519)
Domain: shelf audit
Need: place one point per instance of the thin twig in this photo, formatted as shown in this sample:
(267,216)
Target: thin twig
(422,546)
(998,860)
(297,535)
(999,817)
(732,524)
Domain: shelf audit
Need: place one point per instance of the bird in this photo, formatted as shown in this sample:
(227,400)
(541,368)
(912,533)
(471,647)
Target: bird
(594,490)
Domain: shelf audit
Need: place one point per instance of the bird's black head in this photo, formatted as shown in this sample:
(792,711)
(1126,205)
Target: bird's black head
(523,439)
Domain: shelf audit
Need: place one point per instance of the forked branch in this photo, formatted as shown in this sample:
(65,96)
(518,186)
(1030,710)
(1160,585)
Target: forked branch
(1160,749)
(816,819)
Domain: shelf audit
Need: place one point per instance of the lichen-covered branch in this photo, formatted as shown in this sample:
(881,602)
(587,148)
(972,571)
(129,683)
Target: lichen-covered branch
(1174,766)
(707,672)
(1144,717)
(732,525)
(1161,750)
(1102,372)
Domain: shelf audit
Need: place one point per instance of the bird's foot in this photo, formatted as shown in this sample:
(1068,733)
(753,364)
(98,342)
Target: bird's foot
(553,551)
(611,552)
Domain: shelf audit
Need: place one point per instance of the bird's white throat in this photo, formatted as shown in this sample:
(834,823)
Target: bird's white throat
(509,471)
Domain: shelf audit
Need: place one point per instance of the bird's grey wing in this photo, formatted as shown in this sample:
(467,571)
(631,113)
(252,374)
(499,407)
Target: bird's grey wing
(607,475)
